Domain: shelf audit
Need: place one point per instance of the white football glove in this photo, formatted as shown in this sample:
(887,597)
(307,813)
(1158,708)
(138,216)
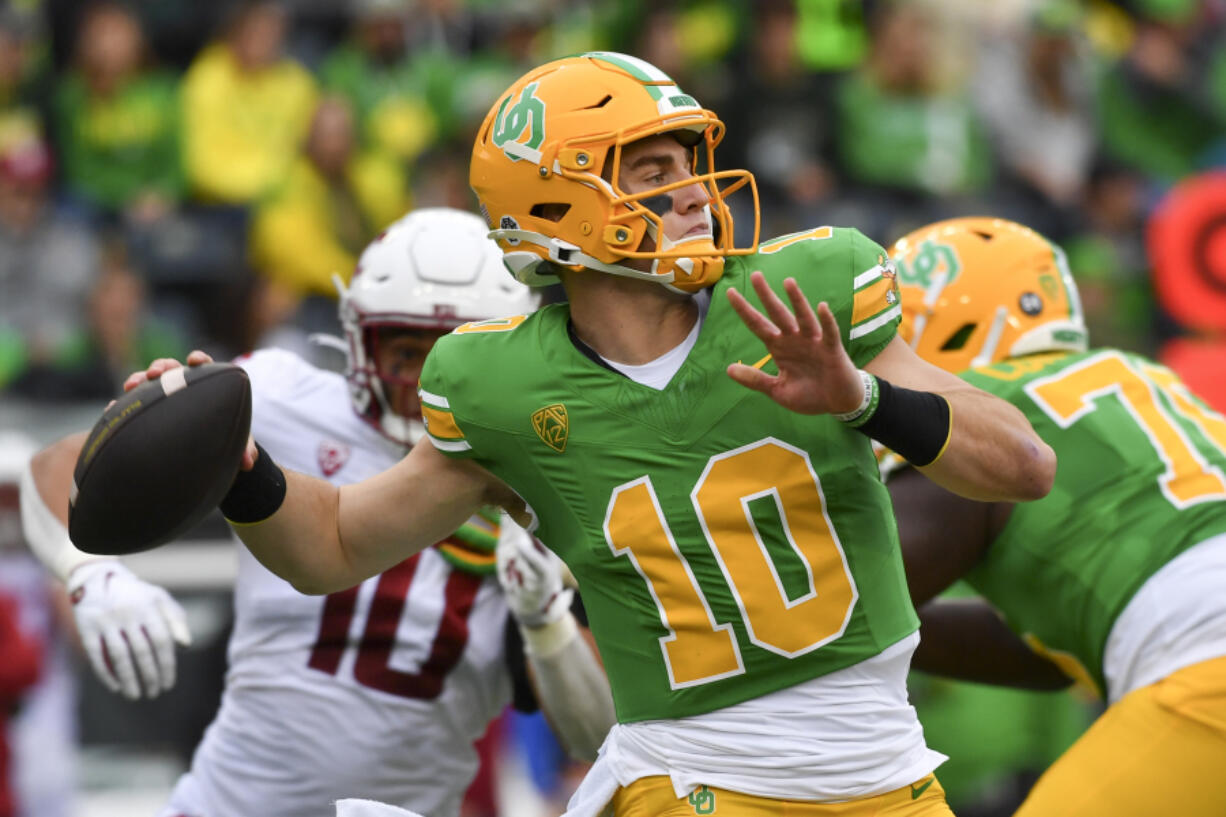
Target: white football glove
(531,576)
(128,628)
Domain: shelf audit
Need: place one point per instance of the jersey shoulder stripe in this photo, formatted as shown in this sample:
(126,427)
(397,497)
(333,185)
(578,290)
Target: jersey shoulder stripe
(876,300)
(440,423)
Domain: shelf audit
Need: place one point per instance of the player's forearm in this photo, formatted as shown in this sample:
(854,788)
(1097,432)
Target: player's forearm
(967,639)
(323,539)
(300,541)
(45,486)
(571,685)
(992,454)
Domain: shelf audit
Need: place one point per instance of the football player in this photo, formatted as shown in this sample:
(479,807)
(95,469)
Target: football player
(735,549)
(381,687)
(1117,575)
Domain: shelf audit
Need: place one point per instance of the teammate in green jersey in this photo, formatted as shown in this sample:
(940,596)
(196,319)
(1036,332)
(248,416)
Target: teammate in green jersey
(1118,575)
(734,546)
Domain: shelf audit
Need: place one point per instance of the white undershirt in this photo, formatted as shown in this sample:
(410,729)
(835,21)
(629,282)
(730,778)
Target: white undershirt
(1176,619)
(846,735)
(657,373)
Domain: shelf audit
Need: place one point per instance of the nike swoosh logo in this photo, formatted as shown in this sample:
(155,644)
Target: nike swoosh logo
(760,363)
(915,793)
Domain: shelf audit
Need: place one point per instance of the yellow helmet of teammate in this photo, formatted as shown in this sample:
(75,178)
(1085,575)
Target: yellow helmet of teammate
(545,168)
(978,290)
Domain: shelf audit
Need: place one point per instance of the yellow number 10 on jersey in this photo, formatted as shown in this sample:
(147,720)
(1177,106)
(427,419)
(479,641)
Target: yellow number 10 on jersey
(697,650)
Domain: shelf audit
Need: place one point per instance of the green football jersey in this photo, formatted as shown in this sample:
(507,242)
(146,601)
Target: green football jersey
(725,547)
(1141,478)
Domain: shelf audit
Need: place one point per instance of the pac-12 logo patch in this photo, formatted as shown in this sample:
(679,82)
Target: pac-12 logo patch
(520,125)
(552,426)
(332,456)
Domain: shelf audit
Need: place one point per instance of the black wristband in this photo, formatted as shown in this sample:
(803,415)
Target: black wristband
(916,425)
(255,495)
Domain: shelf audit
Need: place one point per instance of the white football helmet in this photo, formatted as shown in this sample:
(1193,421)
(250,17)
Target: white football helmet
(436,269)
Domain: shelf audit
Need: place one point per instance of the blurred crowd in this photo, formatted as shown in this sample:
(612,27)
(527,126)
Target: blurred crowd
(194,174)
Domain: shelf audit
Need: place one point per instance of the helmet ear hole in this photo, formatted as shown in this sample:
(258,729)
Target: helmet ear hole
(958,339)
(550,211)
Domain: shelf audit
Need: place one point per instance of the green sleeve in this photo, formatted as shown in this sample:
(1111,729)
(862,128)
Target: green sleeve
(441,399)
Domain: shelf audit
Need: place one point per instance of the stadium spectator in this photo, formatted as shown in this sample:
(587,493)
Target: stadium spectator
(782,113)
(395,95)
(48,264)
(1160,109)
(906,134)
(1106,254)
(117,122)
(246,109)
(1034,88)
(23,97)
(119,333)
(331,204)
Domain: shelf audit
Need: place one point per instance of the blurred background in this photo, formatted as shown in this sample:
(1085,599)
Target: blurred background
(180,174)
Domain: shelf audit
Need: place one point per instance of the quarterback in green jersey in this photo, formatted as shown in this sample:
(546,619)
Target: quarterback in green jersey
(697,452)
(1117,576)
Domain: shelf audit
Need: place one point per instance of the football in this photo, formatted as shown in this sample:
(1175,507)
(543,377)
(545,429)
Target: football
(160,459)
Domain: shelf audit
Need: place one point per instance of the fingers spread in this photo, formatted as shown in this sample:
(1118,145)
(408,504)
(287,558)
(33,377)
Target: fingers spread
(753,319)
(805,318)
(750,377)
(777,309)
(830,327)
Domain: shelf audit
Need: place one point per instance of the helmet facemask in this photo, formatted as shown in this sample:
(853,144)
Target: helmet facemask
(392,396)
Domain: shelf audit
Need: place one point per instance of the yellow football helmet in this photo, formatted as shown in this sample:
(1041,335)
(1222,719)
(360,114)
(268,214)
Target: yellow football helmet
(552,145)
(979,290)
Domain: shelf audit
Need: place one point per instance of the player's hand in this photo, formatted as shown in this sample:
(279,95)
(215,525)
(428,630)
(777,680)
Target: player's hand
(128,628)
(816,375)
(164,364)
(531,576)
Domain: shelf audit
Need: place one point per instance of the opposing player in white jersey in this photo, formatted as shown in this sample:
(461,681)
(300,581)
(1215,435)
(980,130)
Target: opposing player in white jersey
(380,690)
